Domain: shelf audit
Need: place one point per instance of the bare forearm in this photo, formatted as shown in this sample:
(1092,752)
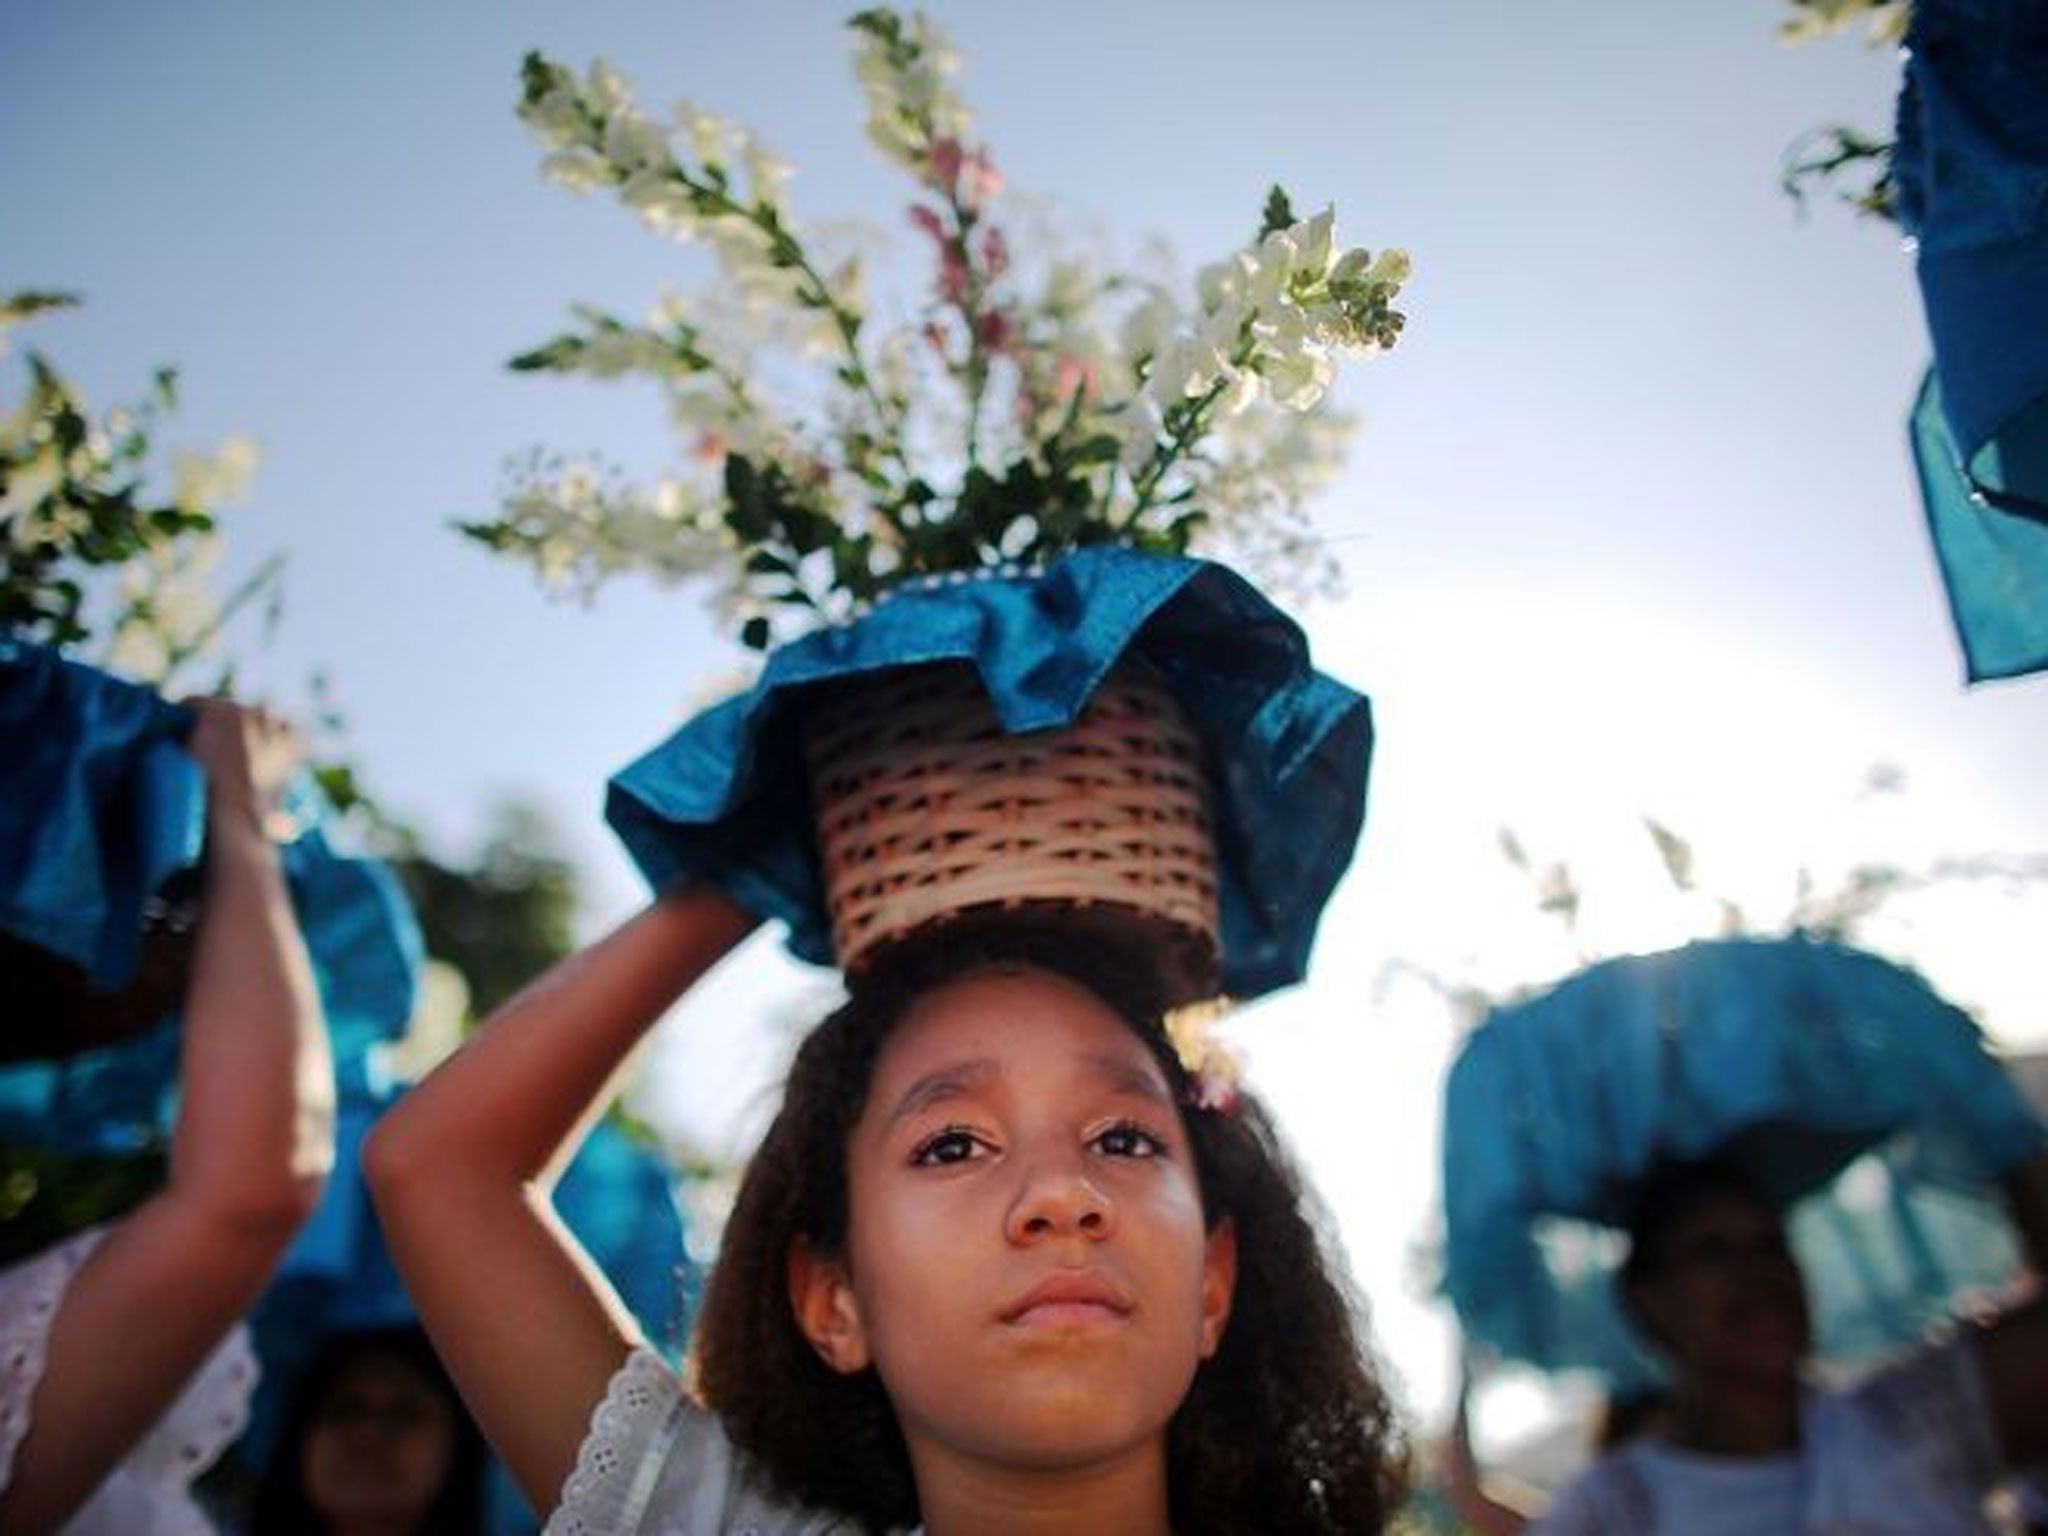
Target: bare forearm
(255,1134)
(530,1330)
(503,1107)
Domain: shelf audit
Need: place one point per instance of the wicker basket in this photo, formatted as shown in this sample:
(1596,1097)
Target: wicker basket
(929,813)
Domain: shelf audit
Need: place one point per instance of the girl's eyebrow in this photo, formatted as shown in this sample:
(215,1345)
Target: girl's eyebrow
(949,1081)
(960,1077)
(1129,1077)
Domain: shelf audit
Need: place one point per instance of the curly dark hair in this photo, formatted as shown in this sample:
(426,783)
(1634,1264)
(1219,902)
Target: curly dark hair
(1286,1429)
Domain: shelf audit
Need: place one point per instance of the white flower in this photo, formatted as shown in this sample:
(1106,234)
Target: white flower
(662,202)
(888,134)
(1147,327)
(1312,242)
(139,651)
(1393,266)
(605,90)
(634,142)
(768,174)
(708,133)
(670,310)
(557,120)
(1213,1066)
(27,485)
(577,169)
(1269,272)
(1183,367)
(1222,282)
(210,481)
(1297,380)
(1281,331)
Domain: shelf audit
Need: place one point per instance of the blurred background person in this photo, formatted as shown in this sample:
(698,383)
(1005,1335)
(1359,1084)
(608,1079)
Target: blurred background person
(374,1442)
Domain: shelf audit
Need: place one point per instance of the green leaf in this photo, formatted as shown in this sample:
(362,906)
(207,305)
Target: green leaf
(536,77)
(550,354)
(1279,212)
(754,634)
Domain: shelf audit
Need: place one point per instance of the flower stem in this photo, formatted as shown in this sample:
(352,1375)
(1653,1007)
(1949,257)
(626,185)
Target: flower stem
(1189,427)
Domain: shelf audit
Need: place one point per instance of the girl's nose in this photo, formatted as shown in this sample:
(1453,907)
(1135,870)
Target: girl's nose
(1056,1199)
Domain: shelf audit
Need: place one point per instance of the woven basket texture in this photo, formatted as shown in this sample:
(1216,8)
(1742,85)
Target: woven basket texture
(928,811)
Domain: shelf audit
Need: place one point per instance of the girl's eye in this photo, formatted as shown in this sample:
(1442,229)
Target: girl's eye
(1129,1139)
(951,1145)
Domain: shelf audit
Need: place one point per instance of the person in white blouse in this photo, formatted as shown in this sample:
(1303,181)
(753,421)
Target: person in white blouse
(1749,1446)
(100,1335)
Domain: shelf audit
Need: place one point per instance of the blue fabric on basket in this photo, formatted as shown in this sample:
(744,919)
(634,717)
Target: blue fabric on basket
(1971,167)
(1994,561)
(1794,1056)
(725,799)
(99,804)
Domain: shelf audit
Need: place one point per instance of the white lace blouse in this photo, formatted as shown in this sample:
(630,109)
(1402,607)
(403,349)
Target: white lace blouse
(150,1493)
(656,1464)
(1910,1450)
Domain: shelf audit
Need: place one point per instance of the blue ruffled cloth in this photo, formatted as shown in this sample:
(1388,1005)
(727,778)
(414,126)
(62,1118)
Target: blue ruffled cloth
(725,799)
(1971,167)
(1994,562)
(99,805)
(1799,1059)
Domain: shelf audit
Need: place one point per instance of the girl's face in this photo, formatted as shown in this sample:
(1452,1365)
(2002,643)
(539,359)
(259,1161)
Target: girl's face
(1726,1297)
(379,1447)
(1028,1269)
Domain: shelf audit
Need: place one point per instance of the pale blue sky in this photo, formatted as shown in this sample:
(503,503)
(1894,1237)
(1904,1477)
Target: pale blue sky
(1630,525)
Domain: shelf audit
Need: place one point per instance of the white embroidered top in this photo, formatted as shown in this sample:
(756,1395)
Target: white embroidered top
(656,1464)
(150,1493)
(1911,1451)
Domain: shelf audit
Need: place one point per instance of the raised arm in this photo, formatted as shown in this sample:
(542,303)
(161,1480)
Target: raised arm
(461,1170)
(252,1145)
(1463,1483)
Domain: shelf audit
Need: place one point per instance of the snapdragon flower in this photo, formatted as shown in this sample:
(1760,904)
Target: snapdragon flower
(982,425)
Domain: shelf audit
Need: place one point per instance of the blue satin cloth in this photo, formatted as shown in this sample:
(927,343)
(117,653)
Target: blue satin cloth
(99,804)
(1971,167)
(1796,1058)
(725,799)
(1994,561)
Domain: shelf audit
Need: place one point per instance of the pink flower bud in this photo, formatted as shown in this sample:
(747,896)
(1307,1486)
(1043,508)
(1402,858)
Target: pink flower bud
(1073,375)
(944,164)
(994,330)
(995,252)
(980,181)
(952,276)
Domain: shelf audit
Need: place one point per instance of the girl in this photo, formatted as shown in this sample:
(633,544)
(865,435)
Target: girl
(104,1331)
(375,1443)
(995,1268)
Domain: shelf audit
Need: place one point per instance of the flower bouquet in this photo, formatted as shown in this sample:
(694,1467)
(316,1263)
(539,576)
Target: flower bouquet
(987,510)
(106,609)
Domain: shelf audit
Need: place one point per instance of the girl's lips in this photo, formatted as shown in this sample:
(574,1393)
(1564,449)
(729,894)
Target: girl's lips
(1082,1297)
